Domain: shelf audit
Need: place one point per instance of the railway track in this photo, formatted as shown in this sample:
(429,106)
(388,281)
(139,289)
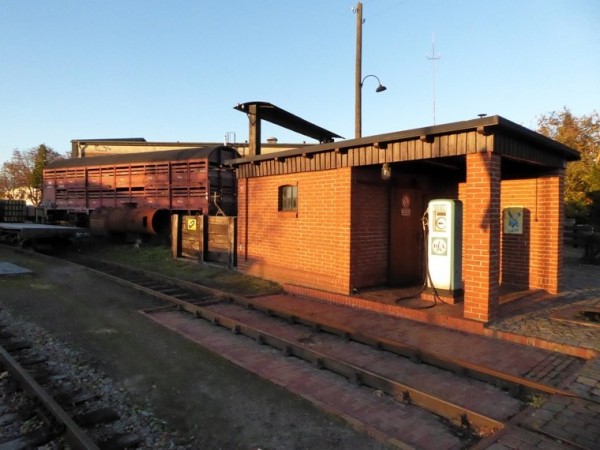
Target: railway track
(41,407)
(481,401)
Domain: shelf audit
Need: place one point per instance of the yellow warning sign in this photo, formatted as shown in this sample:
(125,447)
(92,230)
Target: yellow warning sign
(191,224)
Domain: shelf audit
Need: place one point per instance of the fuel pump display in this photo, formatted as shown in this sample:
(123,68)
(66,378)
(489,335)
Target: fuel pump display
(444,257)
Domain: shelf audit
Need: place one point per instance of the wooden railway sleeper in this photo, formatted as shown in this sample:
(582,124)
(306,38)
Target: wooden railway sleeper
(73,434)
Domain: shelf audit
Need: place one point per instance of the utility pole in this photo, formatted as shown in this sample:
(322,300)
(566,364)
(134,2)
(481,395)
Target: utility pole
(358,76)
(433,59)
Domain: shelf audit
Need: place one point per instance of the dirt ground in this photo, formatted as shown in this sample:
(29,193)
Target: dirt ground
(209,402)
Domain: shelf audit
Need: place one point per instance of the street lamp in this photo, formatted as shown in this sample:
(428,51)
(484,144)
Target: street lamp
(358,109)
(380,88)
(359,80)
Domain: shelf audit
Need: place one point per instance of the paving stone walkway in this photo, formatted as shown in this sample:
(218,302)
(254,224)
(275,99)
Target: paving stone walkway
(572,422)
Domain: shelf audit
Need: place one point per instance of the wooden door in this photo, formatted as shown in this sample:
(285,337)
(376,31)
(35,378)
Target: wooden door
(406,237)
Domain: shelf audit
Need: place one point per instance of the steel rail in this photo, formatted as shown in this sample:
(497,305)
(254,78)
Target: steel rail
(458,415)
(73,434)
(515,384)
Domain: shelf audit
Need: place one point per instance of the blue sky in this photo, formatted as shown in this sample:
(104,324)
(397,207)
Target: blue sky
(173,70)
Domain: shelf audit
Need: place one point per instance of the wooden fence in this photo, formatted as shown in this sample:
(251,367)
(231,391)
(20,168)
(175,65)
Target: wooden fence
(575,235)
(205,238)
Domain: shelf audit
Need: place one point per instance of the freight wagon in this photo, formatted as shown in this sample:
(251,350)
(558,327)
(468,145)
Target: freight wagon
(191,181)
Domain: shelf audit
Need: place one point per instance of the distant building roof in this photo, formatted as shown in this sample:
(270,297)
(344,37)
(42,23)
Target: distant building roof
(138,139)
(140,157)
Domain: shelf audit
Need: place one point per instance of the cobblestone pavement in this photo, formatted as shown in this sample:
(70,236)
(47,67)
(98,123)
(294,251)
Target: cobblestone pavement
(581,292)
(565,422)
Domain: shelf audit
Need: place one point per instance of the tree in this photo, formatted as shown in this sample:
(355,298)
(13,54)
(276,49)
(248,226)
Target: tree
(582,179)
(21,178)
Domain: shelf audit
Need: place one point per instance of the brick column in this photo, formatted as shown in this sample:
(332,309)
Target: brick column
(481,237)
(547,264)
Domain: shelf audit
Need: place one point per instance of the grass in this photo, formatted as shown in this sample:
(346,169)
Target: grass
(536,400)
(158,259)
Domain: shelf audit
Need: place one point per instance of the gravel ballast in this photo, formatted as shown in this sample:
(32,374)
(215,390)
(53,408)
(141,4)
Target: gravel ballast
(177,393)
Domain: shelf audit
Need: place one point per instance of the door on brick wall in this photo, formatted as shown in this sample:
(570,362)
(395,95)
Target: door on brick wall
(406,237)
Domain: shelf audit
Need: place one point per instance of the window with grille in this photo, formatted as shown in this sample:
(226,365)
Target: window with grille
(288,198)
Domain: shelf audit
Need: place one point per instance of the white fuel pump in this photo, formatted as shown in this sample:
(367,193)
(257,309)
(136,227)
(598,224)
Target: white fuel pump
(444,249)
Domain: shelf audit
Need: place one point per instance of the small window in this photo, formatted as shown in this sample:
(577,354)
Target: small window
(288,198)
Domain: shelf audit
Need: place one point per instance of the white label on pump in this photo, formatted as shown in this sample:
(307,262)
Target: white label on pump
(439,246)
(440,223)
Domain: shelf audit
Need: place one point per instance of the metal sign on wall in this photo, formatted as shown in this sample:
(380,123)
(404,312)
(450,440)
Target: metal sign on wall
(513,220)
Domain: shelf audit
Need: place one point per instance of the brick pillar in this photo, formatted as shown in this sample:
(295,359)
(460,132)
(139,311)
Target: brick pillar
(481,237)
(547,268)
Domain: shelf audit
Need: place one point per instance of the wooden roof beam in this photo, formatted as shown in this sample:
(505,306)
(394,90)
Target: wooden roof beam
(484,131)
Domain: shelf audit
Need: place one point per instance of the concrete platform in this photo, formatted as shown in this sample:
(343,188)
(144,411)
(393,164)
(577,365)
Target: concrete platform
(39,230)
(7,268)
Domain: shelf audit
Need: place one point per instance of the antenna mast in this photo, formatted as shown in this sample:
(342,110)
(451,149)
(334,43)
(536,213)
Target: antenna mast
(433,59)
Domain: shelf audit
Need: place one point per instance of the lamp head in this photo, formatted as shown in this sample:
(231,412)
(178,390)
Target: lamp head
(386,172)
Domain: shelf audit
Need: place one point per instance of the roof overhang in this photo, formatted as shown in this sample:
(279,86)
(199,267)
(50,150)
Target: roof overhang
(491,133)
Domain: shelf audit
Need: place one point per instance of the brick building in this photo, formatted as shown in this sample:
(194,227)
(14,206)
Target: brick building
(324,218)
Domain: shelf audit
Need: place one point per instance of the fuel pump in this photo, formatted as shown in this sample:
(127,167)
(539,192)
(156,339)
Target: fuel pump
(444,249)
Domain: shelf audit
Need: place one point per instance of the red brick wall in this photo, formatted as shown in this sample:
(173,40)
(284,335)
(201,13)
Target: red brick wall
(533,260)
(370,228)
(481,236)
(517,251)
(547,242)
(310,248)
(339,238)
